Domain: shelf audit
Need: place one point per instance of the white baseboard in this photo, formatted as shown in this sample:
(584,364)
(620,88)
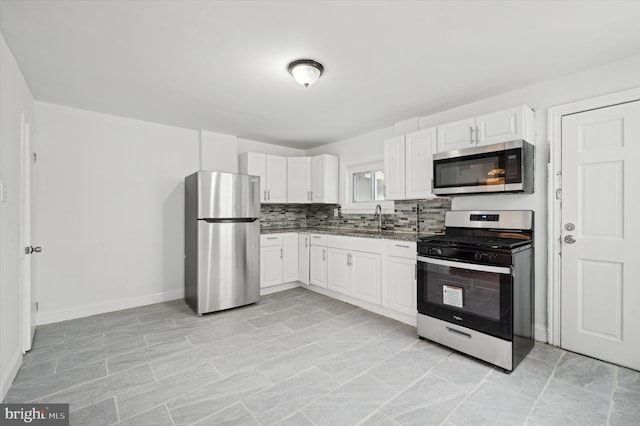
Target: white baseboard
(106,306)
(540,333)
(280,287)
(10,374)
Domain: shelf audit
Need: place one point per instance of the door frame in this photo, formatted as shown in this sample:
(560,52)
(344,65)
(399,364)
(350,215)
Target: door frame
(554,199)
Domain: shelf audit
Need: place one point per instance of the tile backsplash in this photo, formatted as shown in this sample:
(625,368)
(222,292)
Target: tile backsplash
(410,216)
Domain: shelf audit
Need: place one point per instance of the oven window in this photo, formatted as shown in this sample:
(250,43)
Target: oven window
(473,292)
(470,171)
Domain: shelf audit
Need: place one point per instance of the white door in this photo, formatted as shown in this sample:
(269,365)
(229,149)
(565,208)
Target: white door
(303,258)
(402,284)
(271,259)
(338,271)
(318,266)
(419,149)
(28,306)
(365,276)
(290,260)
(299,180)
(600,295)
(456,135)
(394,168)
(276,179)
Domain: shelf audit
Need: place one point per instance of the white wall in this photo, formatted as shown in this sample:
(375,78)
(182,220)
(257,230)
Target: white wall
(15,97)
(110,211)
(109,196)
(613,77)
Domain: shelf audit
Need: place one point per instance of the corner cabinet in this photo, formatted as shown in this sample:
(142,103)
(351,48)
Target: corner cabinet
(272,170)
(496,127)
(408,165)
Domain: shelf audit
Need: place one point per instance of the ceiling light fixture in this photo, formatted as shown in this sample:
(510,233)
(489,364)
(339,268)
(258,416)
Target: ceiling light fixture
(305,71)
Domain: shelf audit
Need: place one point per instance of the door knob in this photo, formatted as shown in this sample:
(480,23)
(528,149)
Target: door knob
(32,249)
(569,239)
(569,227)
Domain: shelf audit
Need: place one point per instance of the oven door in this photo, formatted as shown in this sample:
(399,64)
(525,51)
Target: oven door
(471,295)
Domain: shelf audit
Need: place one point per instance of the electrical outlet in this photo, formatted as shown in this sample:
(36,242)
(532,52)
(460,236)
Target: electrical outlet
(335,212)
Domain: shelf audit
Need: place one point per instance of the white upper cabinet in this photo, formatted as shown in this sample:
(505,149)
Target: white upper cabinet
(496,127)
(419,149)
(324,179)
(272,170)
(394,168)
(294,179)
(299,179)
(408,165)
(456,135)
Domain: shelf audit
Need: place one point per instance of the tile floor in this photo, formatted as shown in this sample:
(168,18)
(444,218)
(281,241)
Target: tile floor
(299,358)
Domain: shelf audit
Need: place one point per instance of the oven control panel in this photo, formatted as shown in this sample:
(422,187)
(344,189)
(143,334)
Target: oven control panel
(471,255)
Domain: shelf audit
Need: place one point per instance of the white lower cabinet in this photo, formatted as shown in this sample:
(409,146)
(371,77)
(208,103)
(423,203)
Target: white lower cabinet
(400,285)
(354,272)
(318,260)
(278,259)
(303,258)
(365,275)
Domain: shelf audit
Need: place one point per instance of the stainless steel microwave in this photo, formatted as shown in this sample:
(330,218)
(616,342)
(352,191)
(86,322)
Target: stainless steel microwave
(502,167)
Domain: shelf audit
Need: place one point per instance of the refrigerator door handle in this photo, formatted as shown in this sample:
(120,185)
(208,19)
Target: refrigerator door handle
(231,220)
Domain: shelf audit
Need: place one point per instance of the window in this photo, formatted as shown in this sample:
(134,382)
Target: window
(368,186)
(363,187)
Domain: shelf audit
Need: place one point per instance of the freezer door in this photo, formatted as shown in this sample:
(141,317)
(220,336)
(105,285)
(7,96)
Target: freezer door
(228,271)
(228,195)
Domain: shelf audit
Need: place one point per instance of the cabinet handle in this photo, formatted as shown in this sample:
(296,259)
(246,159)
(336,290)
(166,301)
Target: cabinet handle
(269,195)
(316,236)
(324,255)
(281,253)
(471,135)
(264,195)
(349,261)
(272,238)
(311,192)
(306,243)
(477,134)
(401,245)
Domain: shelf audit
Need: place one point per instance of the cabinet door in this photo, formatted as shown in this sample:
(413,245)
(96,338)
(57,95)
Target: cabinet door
(276,179)
(365,275)
(290,257)
(456,135)
(254,164)
(394,168)
(299,180)
(501,126)
(303,258)
(271,266)
(318,266)
(419,149)
(402,284)
(339,268)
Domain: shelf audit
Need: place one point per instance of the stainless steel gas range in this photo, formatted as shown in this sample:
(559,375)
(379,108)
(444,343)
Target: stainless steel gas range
(475,285)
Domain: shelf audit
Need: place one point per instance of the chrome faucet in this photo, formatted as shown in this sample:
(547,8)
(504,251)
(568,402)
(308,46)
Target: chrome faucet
(378,215)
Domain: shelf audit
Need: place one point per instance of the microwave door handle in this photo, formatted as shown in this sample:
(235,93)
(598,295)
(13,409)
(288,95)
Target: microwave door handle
(468,266)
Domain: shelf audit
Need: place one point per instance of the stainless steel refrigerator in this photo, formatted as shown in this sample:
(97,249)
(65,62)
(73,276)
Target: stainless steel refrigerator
(222,240)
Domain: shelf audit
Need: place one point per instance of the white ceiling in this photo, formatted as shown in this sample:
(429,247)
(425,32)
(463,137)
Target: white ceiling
(221,65)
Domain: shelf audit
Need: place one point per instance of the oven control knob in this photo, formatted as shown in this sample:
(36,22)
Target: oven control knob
(493,257)
(477,255)
(439,251)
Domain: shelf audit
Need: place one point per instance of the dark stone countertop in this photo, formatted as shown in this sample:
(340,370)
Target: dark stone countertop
(388,235)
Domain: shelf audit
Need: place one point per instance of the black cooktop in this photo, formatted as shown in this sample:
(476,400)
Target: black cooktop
(475,241)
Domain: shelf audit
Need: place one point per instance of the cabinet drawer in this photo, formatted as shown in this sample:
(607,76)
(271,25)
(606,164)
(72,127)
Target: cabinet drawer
(268,240)
(318,240)
(406,249)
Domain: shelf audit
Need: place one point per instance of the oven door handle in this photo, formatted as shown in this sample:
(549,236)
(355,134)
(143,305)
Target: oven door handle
(469,266)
